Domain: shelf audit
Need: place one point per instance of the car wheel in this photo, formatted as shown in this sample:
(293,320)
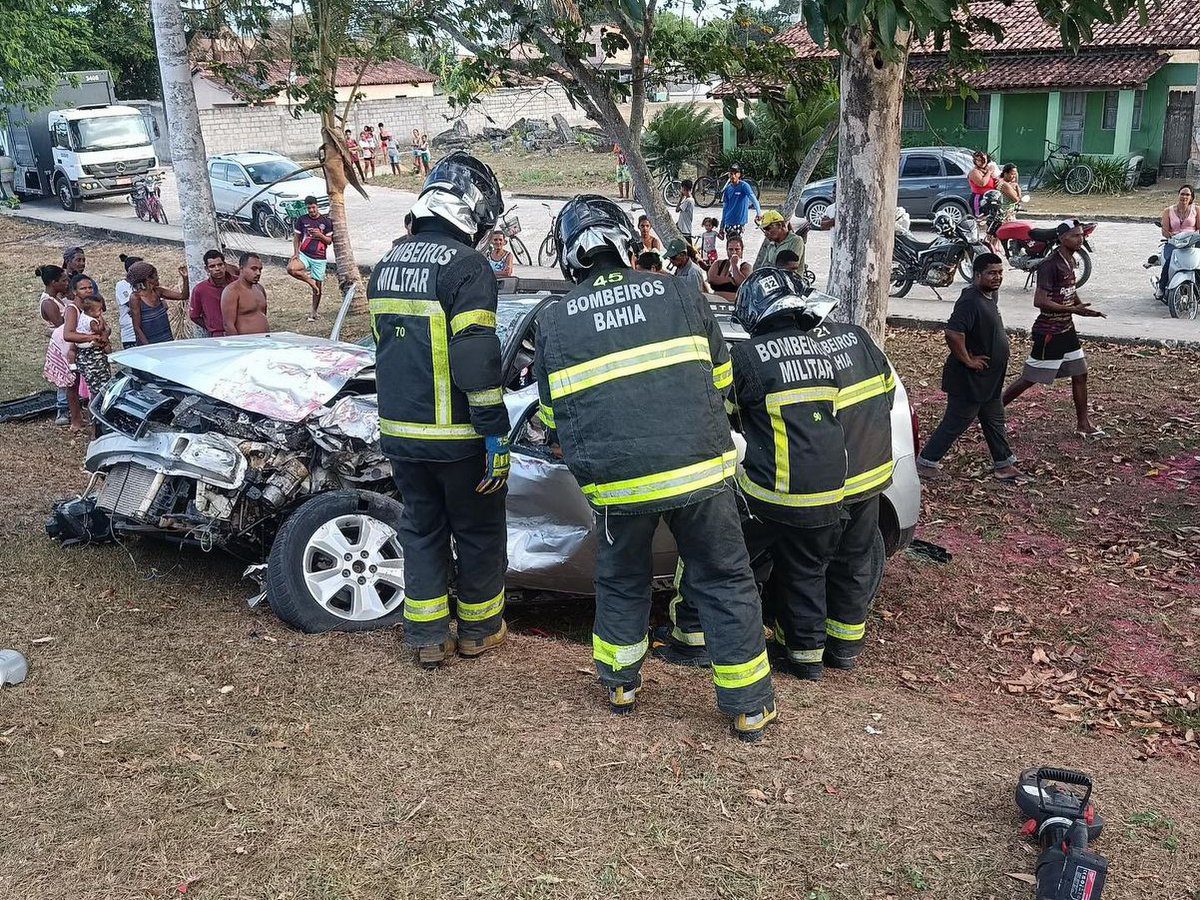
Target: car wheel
(876,560)
(337,564)
(953,210)
(261,215)
(65,197)
(815,211)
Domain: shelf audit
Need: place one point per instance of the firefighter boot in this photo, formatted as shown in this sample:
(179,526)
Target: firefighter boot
(667,648)
(430,656)
(622,697)
(471,647)
(749,727)
(841,654)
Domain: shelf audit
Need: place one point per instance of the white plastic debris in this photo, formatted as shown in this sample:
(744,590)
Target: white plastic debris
(13,667)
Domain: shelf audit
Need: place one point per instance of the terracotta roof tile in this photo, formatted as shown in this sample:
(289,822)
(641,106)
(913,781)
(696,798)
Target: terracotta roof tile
(1051,70)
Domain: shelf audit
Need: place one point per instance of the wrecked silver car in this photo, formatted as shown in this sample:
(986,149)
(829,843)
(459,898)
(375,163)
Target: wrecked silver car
(267,447)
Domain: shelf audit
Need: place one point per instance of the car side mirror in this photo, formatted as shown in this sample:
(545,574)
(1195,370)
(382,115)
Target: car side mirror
(240,182)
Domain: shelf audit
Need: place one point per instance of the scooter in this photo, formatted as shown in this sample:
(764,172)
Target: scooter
(931,263)
(1182,293)
(1027,247)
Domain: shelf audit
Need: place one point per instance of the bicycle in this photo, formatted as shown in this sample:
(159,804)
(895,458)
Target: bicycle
(145,195)
(670,188)
(510,228)
(713,190)
(1062,164)
(548,252)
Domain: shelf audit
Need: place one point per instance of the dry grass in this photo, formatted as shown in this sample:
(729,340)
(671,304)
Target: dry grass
(23,336)
(168,737)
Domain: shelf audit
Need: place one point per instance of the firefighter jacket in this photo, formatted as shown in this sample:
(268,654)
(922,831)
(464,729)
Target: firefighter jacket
(866,389)
(437,363)
(632,371)
(785,398)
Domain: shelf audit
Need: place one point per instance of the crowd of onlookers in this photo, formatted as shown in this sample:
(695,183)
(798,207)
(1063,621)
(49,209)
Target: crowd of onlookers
(375,144)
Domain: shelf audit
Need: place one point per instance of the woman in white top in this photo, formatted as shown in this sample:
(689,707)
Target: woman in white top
(124,292)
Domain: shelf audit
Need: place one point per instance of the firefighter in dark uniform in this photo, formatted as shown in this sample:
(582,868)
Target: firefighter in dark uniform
(442,417)
(632,371)
(785,395)
(866,389)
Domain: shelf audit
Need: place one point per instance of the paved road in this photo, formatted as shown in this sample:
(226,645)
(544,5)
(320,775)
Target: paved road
(1119,285)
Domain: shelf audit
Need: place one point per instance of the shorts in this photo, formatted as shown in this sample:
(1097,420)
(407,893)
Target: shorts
(623,174)
(314,267)
(1054,356)
(734,231)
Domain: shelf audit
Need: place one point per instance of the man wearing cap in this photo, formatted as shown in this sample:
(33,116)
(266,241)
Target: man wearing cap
(736,200)
(779,237)
(680,257)
(1056,352)
(310,240)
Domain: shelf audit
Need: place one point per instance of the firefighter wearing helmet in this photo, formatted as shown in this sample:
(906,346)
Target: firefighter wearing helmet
(632,373)
(442,419)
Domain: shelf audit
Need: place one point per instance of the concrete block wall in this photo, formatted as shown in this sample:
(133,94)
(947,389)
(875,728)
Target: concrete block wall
(229,129)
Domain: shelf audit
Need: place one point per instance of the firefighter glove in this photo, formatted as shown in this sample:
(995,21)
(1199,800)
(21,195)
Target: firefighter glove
(495,469)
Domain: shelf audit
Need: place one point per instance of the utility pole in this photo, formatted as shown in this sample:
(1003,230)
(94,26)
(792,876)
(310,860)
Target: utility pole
(198,215)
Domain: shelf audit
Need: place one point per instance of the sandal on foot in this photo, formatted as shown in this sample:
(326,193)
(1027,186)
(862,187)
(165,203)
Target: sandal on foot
(1095,434)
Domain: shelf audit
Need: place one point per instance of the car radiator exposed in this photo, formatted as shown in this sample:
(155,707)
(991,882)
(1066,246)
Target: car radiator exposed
(130,490)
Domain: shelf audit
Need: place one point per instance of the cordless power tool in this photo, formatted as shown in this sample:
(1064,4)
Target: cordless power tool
(1063,822)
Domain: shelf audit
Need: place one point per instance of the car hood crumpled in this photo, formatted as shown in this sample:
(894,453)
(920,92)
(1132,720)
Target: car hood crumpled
(284,376)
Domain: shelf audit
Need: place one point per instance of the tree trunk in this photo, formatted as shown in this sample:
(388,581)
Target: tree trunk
(335,185)
(815,152)
(1193,167)
(644,190)
(198,215)
(868,160)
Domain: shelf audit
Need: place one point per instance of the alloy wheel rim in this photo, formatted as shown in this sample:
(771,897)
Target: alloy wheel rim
(354,568)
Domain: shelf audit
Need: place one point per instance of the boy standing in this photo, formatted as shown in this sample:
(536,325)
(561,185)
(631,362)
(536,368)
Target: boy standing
(623,177)
(686,207)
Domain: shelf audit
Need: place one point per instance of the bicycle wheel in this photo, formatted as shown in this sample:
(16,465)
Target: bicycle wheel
(520,251)
(547,253)
(275,227)
(142,212)
(1038,179)
(1079,179)
(159,214)
(705,191)
(672,192)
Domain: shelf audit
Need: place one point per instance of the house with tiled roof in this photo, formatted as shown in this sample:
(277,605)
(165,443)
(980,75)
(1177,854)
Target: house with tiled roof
(1129,91)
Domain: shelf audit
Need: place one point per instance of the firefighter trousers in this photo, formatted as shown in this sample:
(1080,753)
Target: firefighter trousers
(716,578)
(440,503)
(794,601)
(852,579)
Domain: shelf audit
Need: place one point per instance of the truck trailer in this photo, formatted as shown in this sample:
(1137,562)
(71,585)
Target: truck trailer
(82,146)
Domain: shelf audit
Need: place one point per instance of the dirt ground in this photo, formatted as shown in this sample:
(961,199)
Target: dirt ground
(23,336)
(171,742)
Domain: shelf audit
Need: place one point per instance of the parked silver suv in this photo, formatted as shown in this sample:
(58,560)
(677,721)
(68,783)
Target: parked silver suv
(256,187)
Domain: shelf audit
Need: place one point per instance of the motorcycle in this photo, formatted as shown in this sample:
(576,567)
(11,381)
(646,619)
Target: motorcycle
(146,197)
(931,263)
(1026,247)
(1182,292)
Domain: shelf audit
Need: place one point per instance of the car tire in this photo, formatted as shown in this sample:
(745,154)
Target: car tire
(259,219)
(953,208)
(300,591)
(66,199)
(814,211)
(877,556)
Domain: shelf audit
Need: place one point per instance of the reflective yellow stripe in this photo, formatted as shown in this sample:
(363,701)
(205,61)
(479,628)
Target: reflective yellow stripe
(730,407)
(438,343)
(865,390)
(781,498)
(618,656)
(723,375)
(690,638)
(477,612)
(872,478)
(624,363)
(846,632)
(490,397)
(806,656)
(426,610)
(546,414)
(465,320)
(664,484)
(423,431)
(775,404)
(743,674)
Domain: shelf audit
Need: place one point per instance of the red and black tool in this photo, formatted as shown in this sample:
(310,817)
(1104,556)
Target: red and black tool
(1064,822)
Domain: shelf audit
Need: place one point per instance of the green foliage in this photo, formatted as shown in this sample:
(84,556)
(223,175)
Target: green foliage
(1111,174)
(122,41)
(678,135)
(758,163)
(791,124)
(38,40)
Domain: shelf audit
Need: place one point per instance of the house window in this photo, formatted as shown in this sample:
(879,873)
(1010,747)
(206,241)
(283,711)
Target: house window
(913,117)
(1111,99)
(977,113)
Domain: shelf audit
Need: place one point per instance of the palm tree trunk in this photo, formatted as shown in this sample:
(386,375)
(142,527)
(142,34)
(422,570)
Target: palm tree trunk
(335,183)
(807,165)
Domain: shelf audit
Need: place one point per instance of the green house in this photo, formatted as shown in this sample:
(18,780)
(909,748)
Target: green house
(1129,92)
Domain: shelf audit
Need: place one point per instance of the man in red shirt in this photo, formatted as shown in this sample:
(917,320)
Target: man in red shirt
(205,307)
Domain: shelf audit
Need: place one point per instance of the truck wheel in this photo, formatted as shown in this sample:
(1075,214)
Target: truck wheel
(337,564)
(65,196)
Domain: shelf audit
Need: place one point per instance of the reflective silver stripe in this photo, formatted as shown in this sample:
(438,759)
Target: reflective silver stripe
(477,612)
(490,397)
(426,610)
(424,431)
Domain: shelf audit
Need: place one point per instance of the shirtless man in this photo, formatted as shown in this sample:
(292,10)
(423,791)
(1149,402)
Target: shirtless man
(244,301)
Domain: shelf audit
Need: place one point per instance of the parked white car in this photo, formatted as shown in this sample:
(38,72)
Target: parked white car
(261,189)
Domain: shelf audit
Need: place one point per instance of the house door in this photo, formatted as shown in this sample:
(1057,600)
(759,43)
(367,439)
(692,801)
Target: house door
(1070,128)
(1177,134)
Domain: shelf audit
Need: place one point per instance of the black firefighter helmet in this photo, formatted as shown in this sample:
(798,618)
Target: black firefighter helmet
(464,193)
(589,224)
(772,292)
